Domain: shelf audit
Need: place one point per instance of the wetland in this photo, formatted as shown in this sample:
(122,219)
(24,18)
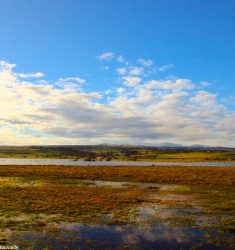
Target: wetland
(117,207)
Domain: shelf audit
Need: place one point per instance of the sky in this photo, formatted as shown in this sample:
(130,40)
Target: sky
(123,72)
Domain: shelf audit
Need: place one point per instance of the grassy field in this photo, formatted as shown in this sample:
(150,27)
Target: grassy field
(40,198)
(119,153)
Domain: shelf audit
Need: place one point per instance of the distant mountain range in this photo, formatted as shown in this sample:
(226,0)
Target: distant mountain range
(164,145)
(174,145)
(171,145)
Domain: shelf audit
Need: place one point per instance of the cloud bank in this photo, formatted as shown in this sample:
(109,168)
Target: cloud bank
(139,109)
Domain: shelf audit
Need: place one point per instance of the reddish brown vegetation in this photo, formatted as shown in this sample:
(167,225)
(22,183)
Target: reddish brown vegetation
(161,174)
(71,203)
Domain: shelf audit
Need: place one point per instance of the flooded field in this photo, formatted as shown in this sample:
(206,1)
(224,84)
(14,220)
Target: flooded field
(68,162)
(54,207)
(75,235)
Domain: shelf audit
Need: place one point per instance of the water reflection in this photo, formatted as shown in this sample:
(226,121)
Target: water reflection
(75,235)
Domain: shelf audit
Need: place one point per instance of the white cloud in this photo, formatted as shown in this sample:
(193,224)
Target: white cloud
(131,70)
(70,83)
(72,79)
(31,75)
(5,66)
(131,81)
(166,67)
(204,98)
(136,71)
(122,71)
(120,59)
(143,112)
(145,62)
(120,90)
(172,85)
(106,56)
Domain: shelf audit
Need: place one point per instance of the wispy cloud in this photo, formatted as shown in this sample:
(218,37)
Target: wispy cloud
(120,59)
(166,67)
(204,83)
(30,75)
(72,79)
(106,56)
(145,62)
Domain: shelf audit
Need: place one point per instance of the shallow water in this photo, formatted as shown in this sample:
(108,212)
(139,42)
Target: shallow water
(75,235)
(169,217)
(150,225)
(67,162)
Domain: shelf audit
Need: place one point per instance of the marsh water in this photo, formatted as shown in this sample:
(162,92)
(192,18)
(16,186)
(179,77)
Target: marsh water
(78,236)
(68,162)
(142,235)
(151,226)
(162,216)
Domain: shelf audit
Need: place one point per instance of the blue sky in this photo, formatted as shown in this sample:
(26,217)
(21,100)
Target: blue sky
(192,40)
